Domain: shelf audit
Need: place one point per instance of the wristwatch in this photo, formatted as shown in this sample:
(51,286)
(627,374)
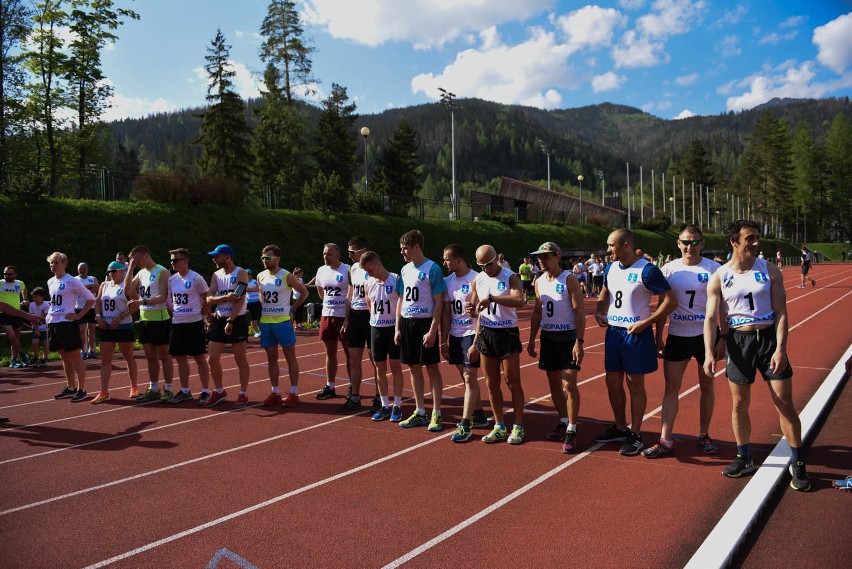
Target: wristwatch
(144,302)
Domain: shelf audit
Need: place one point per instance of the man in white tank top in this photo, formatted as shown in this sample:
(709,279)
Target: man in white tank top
(496,296)
(747,296)
(332,282)
(630,348)
(457,333)
(688,277)
(229,323)
(560,315)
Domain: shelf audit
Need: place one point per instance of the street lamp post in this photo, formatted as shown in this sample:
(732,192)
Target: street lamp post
(365,132)
(449,99)
(546,150)
(580,179)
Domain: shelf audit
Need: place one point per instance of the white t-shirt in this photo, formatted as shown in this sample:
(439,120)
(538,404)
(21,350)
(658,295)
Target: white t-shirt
(41,311)
(382,297)
(747,295)
(186,295)
(458,294)
(496,315)
(335,285)
(65,294)
(690,286)
(113,303)
(226,283)
(359,278)
(89,283)
(557,312)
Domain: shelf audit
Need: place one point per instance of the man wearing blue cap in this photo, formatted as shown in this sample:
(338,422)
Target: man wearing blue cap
(229,324)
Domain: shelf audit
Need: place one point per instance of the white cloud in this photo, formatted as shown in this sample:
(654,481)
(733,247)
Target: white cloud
(785,80)
(684,114)
(424,23)
(729,47)
(792,22)
(775,38)
(730,17)
(684,80)
(727,87)
(832,41)
(124,107)
(591,26)
(528,73)
(631,4)
(607,82)
(645,45)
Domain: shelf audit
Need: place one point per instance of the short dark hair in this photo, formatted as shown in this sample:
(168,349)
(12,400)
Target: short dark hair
(140,249)
(274,249)
(334,246)
(689,228)
(358,242)
(180,251)
(732,234)
(456,251)
(39,291)
(13,267)
(411,238)
(369,257)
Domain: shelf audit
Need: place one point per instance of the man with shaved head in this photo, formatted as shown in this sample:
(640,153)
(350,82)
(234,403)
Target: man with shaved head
(630,347)
(495,297)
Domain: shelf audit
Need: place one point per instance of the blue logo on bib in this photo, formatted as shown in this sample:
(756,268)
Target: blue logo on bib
(366,276)
(560,288)
(152,278)
(119,290)
(277,282)
(233,279)
(633,278)
(421,276)
(338,277)
(187,284)
(761,277)
(501,285)
(61,286)
(388,289)
(465,288)
(703,277)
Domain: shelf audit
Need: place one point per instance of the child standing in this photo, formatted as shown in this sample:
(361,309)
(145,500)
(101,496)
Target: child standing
(39,307)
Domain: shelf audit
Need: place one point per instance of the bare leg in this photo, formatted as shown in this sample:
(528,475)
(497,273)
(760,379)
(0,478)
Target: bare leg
(417,385)
(572,395)
(292,365)
(214,358)
(272,364)
(203,372)
(617,397)
(708,400)
(242,364)
(673,372)
(356,373)
(396,371)
(437,383)
(126,349)
(512,371)
(330,361)
(491,368)
(382,378)
(107,350)
(560,403)
(638,400)
(782,396)
(741,398)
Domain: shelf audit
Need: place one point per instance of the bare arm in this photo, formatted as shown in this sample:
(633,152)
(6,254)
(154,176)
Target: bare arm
(535,323)
(602,307)
(579,318)
(294,283)
(779,361)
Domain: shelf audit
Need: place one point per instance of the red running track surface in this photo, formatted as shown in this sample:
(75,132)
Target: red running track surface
(150,485)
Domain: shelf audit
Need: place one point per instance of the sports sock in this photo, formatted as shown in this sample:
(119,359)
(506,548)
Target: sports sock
(329,385)
(743,451)
(205,390)
(397,401)
(294,389)
(154,386)
(796,453)
(184,390)
(667,443)
(167,386)
(421,411)
(572,427)
(220,390)
(563,420)
(466,422)
(242,392)
(276,390)
(385,400)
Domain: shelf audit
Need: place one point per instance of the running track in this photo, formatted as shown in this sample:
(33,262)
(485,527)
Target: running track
(148,485)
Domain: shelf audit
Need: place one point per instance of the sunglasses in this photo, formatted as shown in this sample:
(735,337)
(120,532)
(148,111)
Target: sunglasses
(353,252)
(111,271)
(688,242)
(267,258)
(177,260)
(8,274)
(488,264)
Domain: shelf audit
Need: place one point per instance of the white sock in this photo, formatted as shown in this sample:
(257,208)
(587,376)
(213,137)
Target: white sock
(242,392)
(154,385)
(294,389)
(421,411)
(220,390)
(167,386)
(397,401)
(330,385)
(563,420)
(572,427)
(205,390)
(184,390)
(275,390)
(385,401)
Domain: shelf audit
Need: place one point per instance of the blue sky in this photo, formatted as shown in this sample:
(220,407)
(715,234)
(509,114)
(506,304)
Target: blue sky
(671,58)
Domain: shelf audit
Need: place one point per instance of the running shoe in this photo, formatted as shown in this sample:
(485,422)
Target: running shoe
(462,434)
(377,404)
(706,444)
(517,436)
(84,354)
(100,398)
(25,360)
(480,419)
(739,467)
(326,393)
(150,395)
(203,398)
(271,399)
(291,400)
(166,396)
(659,450)
(92,355)
(416,420)
(43,362)
(632,444)
(216,398)
(134,393)
(436,425)
(65,393)
(351,404)
(257,334)
(382,414)
(396,414)
(79,395)
(558,432)
(180,397)
(242,400)
(496,435)
(13,363)
(568,441)
(799,480)
(611,435)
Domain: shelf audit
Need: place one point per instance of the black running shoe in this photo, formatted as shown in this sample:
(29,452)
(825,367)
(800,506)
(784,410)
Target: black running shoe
(740,467)
(558,432)
(350,405)
(377,404)
(799,480)
(326,393)
(480,419)
(658,450)
(632,444)
(611,435)
(80,395)
(65,393)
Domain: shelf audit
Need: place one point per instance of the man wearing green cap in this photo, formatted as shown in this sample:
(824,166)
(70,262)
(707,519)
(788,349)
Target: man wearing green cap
(559,314)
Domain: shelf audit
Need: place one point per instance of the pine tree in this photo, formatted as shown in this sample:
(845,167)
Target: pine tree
(336,141)
(225,136)
(838,155)
(14,25)
(286,48)
(807,192)
(399,173)
(280,169)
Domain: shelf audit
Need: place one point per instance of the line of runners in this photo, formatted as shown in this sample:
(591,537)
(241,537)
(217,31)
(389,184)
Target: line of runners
(735,312)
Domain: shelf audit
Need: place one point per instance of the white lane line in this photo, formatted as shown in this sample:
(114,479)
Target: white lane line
(722,542)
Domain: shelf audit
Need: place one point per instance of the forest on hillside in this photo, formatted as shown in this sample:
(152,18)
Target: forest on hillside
(787,163)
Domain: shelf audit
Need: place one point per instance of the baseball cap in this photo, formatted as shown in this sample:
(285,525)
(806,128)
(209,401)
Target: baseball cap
(548,247)
(116,266)
(222,250)
(249,271)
